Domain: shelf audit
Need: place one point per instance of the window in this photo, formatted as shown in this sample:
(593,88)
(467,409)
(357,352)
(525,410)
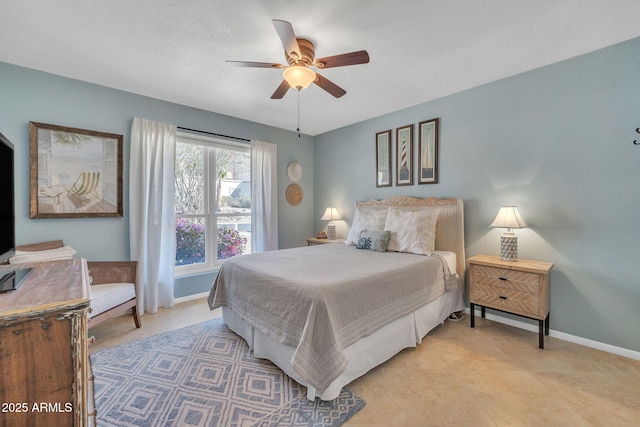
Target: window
(213,202)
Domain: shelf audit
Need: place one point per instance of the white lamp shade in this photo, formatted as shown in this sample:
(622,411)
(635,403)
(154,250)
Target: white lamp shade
(299,77)
(330,214)
(508,217)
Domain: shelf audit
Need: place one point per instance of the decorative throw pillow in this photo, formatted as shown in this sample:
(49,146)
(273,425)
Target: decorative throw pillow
(412,230)
(366,218)
(377,240)
(364,243)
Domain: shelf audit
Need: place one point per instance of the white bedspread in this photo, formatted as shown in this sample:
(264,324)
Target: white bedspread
(320,299)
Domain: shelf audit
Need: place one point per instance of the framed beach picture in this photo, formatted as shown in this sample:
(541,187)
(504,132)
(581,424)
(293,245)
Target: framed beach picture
(428,152)
(383,159)
(74,173)
(404,155)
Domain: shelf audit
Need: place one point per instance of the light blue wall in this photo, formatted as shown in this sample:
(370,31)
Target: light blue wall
(28,95)
(556,142)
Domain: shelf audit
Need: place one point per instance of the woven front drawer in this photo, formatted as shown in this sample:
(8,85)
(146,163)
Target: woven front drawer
(519,281)
(508,290)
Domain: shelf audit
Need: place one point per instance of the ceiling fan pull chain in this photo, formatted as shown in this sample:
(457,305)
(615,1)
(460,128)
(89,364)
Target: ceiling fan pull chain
(298,113)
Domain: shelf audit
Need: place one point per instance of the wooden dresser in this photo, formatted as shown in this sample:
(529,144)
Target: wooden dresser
(44,357)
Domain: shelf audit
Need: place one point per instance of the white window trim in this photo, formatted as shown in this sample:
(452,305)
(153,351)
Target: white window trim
(210,265)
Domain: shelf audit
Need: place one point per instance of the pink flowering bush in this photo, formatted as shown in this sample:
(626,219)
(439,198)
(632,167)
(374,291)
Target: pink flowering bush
(190,242)
(190,248)
(230,243)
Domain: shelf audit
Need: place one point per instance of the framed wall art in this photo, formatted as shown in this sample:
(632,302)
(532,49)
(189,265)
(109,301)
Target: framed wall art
(404,155)
(428,151)
(383,159)
(74,173)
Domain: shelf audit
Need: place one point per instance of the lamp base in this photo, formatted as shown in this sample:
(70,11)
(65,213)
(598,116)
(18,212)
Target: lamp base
(331,231)
(509,247)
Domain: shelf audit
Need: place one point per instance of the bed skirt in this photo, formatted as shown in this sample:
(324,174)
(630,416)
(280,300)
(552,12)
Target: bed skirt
(363,355)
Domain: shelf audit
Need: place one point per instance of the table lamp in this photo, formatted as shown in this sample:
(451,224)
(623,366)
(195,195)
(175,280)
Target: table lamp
(508,217)
(329,215)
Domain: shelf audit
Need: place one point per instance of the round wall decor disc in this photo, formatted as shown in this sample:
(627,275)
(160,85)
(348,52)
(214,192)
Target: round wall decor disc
(294,194)
(294,171)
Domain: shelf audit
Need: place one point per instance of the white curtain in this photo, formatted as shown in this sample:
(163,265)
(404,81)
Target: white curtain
(152,211)
(264,196)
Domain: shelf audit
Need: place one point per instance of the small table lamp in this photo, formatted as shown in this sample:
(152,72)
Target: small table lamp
(329,215)
(508,217)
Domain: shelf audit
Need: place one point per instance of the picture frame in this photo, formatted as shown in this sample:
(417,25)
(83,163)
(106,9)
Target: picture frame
(74,173)
(383,159)
(404,155)
(428,151)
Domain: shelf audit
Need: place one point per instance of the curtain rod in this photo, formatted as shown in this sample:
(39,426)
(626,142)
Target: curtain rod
(214,134)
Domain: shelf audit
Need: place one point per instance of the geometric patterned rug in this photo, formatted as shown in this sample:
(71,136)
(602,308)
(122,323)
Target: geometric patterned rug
(204,375)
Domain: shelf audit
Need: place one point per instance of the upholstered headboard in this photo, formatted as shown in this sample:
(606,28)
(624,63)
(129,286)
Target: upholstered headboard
(450,225)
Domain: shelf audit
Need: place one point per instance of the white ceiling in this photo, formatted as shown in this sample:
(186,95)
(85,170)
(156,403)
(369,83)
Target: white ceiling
(420,49)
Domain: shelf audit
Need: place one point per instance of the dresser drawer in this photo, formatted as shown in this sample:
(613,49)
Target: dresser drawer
(520,281)
(508,290)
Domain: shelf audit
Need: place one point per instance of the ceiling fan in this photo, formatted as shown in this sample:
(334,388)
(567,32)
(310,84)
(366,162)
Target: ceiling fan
(300,55)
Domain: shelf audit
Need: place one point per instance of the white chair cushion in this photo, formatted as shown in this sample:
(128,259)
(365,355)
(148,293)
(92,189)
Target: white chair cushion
(105,297)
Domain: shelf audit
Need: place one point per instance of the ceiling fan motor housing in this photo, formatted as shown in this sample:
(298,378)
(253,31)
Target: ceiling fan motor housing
(307,52)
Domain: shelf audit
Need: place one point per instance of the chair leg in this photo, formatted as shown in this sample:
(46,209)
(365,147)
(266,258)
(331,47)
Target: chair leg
(136,318)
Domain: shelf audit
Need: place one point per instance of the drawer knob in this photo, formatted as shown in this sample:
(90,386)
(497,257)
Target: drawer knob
(503,297)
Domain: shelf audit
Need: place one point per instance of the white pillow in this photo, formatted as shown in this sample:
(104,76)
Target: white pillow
(21,257)
(412,230)
(366,218)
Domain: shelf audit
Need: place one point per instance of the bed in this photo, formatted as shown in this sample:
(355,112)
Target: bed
(327,314)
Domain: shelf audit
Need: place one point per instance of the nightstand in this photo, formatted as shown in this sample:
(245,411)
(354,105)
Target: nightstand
(313,241)
(517,287)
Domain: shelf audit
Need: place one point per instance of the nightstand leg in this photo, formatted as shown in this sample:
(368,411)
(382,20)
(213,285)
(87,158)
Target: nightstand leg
(541,333)
(482,311)
(473,317)
(546,326)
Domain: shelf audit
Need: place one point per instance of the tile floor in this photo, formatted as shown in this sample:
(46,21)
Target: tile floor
(493,375)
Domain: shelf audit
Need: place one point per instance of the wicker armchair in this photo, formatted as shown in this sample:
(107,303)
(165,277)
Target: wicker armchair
(109,279)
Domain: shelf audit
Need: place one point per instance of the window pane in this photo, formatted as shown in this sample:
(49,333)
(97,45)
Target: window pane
(190,241)
(234,236)
(233,181)
(190,175)
(213,188)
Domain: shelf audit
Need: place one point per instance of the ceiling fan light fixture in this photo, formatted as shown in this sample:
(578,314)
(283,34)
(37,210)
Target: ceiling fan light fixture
(299,77)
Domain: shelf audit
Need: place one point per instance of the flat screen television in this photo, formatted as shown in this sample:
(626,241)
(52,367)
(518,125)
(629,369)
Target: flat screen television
(7,201)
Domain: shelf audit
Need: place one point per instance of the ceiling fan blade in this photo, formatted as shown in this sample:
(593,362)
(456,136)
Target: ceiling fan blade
(281,91)
(329,86)
(254,64)
(288,37)
(351,58)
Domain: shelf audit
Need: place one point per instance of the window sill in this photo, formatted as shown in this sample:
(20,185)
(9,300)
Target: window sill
(189,272)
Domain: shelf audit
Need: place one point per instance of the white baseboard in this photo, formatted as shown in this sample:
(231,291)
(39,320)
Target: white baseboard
(191,297)
(631,354)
